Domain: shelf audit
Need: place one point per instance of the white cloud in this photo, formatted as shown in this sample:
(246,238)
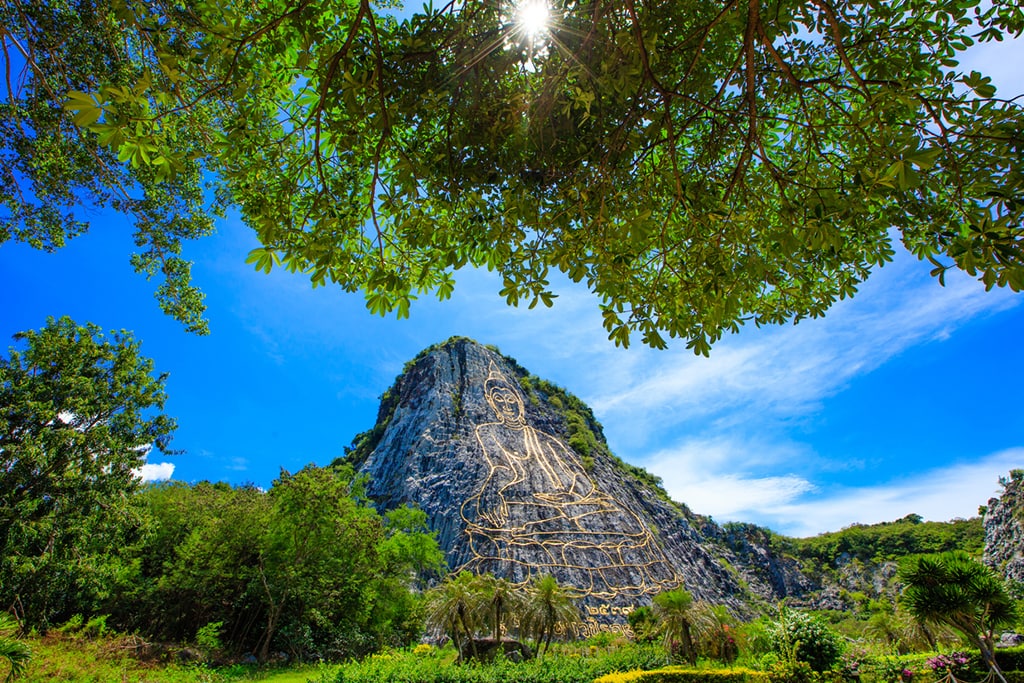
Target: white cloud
(792,505)
(157,471)
(713,477)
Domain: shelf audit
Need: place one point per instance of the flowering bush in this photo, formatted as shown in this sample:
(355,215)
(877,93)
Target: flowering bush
(851,664)
(894,671)
(953,663)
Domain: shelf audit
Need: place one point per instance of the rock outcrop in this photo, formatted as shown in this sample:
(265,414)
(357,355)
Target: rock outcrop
(1004,530)
(465,435)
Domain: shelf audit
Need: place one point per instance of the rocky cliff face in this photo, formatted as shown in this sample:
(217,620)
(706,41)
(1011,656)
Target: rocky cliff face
(466,436)
(1004,530)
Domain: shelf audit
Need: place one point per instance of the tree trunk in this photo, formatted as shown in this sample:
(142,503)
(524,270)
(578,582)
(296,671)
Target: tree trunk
(471,636)
(268,633)
(691,654)
(989,657)
(274,610)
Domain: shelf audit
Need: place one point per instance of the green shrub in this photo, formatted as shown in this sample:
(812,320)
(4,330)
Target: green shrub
(208,638)
(806,638)
(790,670)
(396,667)
(72,625)
(96,627)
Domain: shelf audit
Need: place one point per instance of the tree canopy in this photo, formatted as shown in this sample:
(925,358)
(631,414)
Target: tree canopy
(697,164)
(78,414)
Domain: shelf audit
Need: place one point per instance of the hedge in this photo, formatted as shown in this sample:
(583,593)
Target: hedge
(1011,658)
(676,674)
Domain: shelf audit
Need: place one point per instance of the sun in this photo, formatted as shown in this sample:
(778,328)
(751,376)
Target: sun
(532,17)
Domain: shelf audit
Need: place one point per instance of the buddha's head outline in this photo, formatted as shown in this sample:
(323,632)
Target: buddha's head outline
(504,398)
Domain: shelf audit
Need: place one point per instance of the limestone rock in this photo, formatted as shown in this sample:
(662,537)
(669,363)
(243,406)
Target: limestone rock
(1004,531)
(466,437)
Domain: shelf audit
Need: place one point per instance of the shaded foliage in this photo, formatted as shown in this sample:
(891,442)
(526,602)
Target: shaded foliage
(308,567)
(697,164)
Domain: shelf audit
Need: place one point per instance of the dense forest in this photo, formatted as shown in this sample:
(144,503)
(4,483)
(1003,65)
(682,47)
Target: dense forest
(308,567)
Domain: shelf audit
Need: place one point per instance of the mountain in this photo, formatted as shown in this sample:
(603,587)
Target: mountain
(516,478)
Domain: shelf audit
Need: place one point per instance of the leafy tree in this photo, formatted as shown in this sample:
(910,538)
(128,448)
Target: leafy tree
(197,563)
(53,173)
(958,591)
(899,630)
(78,413)
(674,612)
(409,547)
(697,164)
(408,556)
(318,565)
(549,607)
(308,567)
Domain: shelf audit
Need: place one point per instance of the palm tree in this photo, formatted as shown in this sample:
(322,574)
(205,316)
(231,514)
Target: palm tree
(548,608)
(500,598)
(673,610)
(454,607)
(712,627)
(16,654)
(954,589)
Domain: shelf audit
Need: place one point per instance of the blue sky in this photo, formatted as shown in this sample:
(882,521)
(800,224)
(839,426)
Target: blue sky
(905,399)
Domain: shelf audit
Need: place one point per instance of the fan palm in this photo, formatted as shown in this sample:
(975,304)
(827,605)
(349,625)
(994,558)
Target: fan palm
(548,608)
(454,608)
(501,598)
(712,627)
(673,610)
(15,653)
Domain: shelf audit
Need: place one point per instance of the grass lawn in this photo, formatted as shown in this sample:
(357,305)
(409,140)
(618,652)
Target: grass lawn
(57,657)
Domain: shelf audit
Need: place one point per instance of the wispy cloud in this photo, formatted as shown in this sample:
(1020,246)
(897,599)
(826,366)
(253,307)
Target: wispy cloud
(719,431)
(714,477)
(237,464)
(700,475)
(154,471)
(940,494)
(786,371)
